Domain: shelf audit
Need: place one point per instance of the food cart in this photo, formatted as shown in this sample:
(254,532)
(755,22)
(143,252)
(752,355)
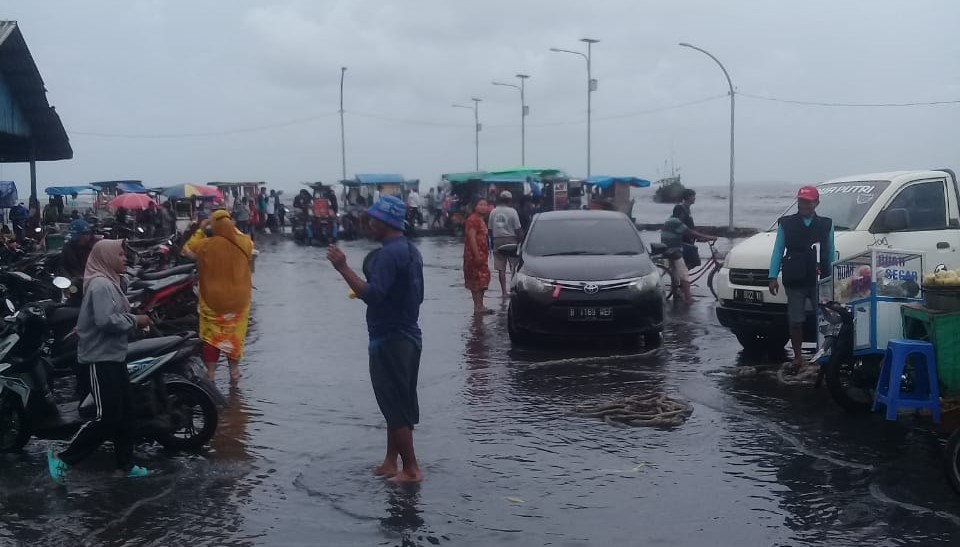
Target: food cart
(606,191)
(874,285)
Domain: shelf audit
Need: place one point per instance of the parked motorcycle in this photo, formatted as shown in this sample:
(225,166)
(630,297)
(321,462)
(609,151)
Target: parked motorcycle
(176,405)
(850,379)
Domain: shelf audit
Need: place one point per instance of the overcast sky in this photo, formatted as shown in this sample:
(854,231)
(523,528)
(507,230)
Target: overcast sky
(159,68)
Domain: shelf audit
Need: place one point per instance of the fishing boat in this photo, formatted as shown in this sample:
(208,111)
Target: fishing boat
(669,187)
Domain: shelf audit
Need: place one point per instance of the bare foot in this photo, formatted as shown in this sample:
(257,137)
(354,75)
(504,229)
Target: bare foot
(386,470)
(407,476)
(235,374)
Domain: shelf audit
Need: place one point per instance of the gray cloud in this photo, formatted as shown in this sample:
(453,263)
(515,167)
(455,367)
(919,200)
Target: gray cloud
(151,67)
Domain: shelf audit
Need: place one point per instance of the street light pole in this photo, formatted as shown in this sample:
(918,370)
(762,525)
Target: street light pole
(524,110)
(476,127)
(591,86)
(343,140)
(732,118)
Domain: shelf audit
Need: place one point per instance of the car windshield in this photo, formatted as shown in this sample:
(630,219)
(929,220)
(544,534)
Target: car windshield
(586,236)
(845,202)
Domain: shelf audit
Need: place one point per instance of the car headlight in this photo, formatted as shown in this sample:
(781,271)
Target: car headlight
(530,284)
(647,282)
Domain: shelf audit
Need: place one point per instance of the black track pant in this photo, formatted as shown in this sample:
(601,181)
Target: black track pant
(113,395)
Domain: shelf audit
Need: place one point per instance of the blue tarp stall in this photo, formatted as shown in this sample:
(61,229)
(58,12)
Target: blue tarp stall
(120,186)
(604,182)
(8,194)
(69,190)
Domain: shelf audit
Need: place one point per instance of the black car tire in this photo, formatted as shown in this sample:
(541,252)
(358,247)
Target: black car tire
(14,428)
(518,337)
(185,400)
(852,382)
(952,460)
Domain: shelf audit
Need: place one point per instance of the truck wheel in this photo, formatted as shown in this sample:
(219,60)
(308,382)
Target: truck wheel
(853,382)
(755,343)
(14,429)
(952,462)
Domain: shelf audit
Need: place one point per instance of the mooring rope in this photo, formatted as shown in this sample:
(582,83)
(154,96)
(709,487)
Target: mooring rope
(653,410)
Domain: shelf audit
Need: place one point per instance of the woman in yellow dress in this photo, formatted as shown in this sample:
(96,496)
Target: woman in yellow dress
(226,283)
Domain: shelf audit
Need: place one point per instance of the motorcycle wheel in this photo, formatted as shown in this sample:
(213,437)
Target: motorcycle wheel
(852,382)
(193,417)
(952,461)
(14,431)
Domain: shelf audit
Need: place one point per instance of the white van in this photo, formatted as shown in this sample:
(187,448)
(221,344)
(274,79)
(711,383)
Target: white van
(915,210)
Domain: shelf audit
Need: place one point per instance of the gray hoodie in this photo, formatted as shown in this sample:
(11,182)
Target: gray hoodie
(104,324)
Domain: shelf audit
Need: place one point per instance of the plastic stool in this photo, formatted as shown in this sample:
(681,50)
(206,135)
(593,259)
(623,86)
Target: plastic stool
(925,392)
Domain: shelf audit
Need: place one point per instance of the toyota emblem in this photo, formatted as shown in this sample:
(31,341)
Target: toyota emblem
(591,288)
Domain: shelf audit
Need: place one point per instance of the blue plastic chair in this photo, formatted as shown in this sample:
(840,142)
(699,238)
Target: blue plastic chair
(925,392)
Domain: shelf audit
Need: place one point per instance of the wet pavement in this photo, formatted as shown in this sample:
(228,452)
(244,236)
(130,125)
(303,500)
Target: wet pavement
(756,464)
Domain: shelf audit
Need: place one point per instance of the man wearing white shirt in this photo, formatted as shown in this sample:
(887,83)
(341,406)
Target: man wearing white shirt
(413,204)
(505,225)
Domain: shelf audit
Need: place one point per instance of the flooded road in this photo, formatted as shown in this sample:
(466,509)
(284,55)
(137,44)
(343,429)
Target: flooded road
(505,462)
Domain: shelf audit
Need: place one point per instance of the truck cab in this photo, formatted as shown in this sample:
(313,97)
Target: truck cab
(915,210)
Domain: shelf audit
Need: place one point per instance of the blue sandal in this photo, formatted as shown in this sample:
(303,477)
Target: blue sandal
(58,469)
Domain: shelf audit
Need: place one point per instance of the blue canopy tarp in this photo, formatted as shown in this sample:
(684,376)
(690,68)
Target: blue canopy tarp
(127,186)
(606,182)
(388,178)
(8,193)
(68,190)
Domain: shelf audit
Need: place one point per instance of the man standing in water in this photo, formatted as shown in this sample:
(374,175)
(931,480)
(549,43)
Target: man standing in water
(799,266)
(505,225)
(393,292)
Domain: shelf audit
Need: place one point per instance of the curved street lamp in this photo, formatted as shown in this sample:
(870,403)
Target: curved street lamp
(524,112)
(732,95)
(591,84)
(476,126)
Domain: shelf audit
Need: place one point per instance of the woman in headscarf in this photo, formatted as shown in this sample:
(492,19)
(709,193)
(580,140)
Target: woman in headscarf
(103,328)
(476,268)
(223,261)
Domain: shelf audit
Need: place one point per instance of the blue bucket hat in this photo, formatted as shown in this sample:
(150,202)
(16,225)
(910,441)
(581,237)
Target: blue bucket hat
(389,210)
(80,226)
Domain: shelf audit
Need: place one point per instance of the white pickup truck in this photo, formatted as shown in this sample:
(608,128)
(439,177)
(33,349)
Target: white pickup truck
(912,210)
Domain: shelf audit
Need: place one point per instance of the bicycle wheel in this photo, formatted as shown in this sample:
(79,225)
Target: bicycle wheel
(666,281)
(713,273)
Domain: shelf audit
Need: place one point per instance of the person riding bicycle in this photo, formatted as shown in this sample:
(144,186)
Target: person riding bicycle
(673,234)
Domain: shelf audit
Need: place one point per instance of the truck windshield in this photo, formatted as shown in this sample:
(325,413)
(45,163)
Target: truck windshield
(845,202)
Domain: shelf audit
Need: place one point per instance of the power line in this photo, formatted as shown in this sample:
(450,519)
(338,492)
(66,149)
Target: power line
(853,105)
(225,132)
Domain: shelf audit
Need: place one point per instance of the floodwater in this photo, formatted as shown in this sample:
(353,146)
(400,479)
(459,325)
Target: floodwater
(505,462)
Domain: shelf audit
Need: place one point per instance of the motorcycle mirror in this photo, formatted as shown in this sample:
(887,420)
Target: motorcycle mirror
(61,282)
(10,305)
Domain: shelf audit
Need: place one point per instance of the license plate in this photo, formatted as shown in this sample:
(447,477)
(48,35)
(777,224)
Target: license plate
(751,297)
(590,314)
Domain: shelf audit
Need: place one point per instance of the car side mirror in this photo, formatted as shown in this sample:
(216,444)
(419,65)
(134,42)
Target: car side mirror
(657,249)
(509,250)
(896,220)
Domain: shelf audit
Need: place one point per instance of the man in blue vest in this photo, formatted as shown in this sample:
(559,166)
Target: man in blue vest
(799,264)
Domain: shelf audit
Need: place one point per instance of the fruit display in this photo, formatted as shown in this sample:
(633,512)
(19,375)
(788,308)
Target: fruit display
(944,278)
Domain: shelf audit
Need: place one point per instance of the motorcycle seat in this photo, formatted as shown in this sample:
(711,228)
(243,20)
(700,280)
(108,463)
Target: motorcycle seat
(63,314)
(152,347)
(161,284)
(176,270)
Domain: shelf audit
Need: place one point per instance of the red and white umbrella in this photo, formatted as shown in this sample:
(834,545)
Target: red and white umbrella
(132,202)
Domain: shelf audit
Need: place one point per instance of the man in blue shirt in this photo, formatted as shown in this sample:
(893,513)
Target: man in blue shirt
(795,260)
(393,292)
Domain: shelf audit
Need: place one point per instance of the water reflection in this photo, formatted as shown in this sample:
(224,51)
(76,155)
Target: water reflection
(477,361)
(403,511)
